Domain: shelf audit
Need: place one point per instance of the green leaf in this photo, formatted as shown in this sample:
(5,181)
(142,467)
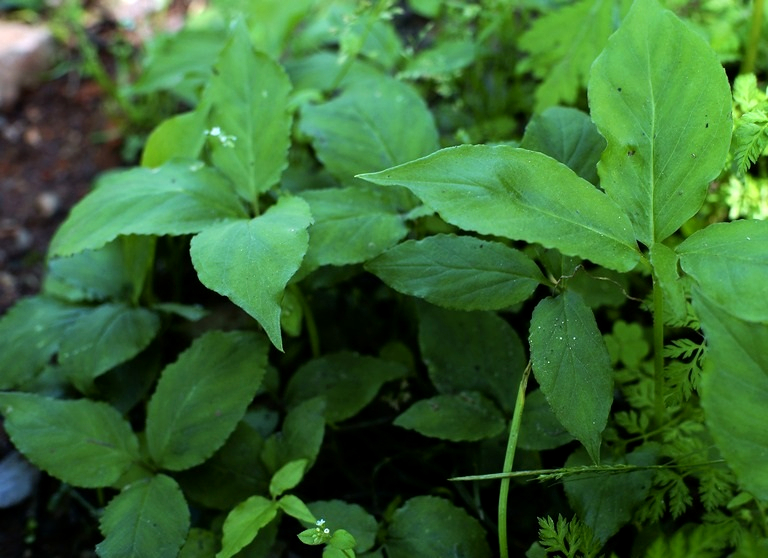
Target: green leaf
(564,43)
(351,517)
(286,477)
(102,338)
(300,437)
(202,396)
(569,136)
(605,502)
(348,382)
(351,225)
(244,522)
(429,526)
(572,366)
(665,262)
(522,195)
(668,131)
(464,417)
(250,262)
(459,272)
(730,263)
(443,60)
(471,351)
(148,518)
(249,120)
(200,543)
(294,507)
(175,199)
(734,390)
(750,138)
(342,540)
(540,429)
(81,442)
(179,137)
(372,125)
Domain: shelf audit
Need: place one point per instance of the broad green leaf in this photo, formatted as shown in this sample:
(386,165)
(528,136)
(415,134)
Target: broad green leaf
(347,380)
(463,417)
(319,71)
(147,519)
(351,225)
(175,199)
(459,272)
(251,261)
(249,120)
(372,125)
(244,522)
(569,136)
(81,442)
(102,338)
(540,429)
(430,526)
(573,368)
(200,543)
(563,43)
(286,477)
(300,438)
(665,265)
(522,195)
(351,517)
(443,60)
(341,540)
(294,507)
(734,390)
(202,396)
(668,131)
(30,334)
(179,137)
(730,263)
(605,502)
(471,351)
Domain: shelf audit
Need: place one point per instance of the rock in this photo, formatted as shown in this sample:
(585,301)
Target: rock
(26,52)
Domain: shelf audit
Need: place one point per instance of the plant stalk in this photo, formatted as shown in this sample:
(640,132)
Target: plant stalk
(750,54)
(509,458)
(658,351)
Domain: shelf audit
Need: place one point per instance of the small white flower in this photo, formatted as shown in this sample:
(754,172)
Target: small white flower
(326,530)
(320,522)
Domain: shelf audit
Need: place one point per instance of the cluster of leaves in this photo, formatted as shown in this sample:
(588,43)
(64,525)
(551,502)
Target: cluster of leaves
(299,306)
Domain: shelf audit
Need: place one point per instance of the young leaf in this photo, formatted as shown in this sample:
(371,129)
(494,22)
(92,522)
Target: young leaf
(249,118)
(286,477)
(430,526)
(251,261)
(175,199)
(660,156)
(664,261)
(348,382)
(148,518)
(202,396)
(244,522)
(464,417)
(294,507)
(734,390)
(300,437)
(459,272)
(81,442)
(730,263)
(179,137)
(522,195)
(352,517)
(572,366)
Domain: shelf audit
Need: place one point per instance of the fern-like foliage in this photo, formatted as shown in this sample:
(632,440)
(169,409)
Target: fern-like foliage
(569,539)
(684,373)
(750,133)
(701,541)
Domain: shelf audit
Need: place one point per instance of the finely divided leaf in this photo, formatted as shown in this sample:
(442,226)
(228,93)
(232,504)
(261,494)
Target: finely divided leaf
(251,261)
(522,195)
(174,199)
(750,139)
(668,130)
(202,396)
(147,519)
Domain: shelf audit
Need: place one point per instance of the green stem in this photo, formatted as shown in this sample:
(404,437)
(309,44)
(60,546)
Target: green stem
(509,459)
(309,321)
(658,351)
(370,18)
(748,64)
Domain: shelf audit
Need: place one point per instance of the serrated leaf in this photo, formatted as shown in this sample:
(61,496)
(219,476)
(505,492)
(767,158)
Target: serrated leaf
(351,225)
(569,136)
(429,526)
(348,382)
(351,517)
(572,366)
(459,272)
(750,139)
(668,132)
(471,351)
(464,417)
(251,261)
(244,522)
(147,519)
(286,477)
(539,428)
(202,396)
(81,442)
(300,437)
(730,263)
(521,195)
(249,120)
(372,125)
(734,389)
(175,199)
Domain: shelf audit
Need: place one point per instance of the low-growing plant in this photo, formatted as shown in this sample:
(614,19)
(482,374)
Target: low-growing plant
(300,305)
